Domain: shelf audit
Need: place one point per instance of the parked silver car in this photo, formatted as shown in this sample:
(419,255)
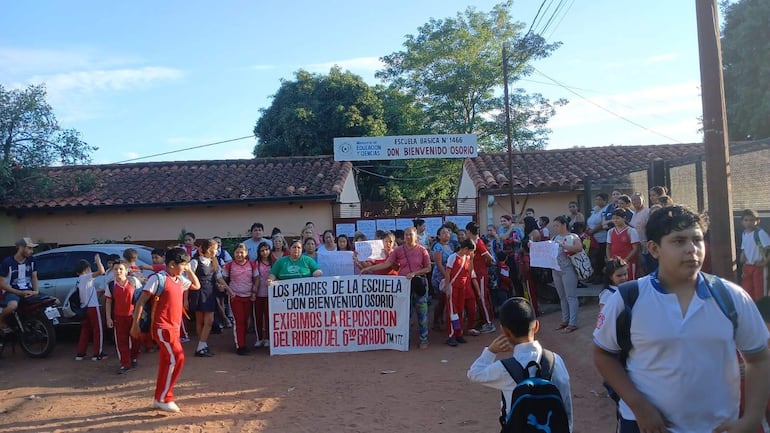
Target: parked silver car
(56,267)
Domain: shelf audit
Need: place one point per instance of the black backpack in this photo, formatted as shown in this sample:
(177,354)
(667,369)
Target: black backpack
(536,404)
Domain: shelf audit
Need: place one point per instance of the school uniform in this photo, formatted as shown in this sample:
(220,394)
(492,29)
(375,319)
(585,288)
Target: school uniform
(460,297)
(621,242)
(481,270)
(167,315)
(685,366)
(753,280)
(122,296)
(241,282)
(488,371)
(91,325)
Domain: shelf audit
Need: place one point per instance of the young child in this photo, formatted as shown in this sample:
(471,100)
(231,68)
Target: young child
(459,296)
(91,325)
(615,274)
(542,224)
(674,317)
(130,255)
(120,296)
(261,300)
(242,289)
(623,242)
(755,247)
(203,302)
(158,257)
(519,326)
(167,314)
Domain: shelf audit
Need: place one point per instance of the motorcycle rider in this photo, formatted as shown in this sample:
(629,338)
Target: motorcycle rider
(18,279)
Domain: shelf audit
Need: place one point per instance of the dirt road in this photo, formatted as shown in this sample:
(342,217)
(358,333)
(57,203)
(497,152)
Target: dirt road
(428,392)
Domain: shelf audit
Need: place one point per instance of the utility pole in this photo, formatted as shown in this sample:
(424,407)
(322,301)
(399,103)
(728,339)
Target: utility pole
(507,102)
(720,201)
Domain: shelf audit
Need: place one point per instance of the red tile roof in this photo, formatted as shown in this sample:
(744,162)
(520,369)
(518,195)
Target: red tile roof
(566,169)
(190,183)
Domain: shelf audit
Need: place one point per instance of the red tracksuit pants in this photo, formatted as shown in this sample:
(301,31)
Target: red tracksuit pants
(170,362)
(753,281)
(262,324)
(91,329)
(128,347)
(243,308)
(485,298)
(460,300)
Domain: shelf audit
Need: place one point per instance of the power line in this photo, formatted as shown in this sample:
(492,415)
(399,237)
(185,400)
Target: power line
(184,149)
(395,178)
(638,125)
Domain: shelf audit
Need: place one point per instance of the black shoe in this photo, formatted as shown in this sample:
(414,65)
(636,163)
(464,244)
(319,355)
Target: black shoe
(123,370)
(242,351)
(461,340)
(134,363)
(204,353)
(216,330)
(451,342)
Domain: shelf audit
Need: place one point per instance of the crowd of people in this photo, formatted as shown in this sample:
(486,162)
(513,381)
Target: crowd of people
(469,278)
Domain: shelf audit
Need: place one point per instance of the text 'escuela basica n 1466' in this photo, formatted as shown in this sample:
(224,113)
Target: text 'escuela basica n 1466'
(334,313)
(406,147)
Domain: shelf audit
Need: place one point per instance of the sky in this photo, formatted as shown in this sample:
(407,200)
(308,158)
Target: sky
(145,77)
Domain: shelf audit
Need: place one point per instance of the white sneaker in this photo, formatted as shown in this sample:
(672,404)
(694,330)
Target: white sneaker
(166,407)
(258,343)
(265,343)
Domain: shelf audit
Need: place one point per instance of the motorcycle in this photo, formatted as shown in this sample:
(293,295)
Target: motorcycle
(32,326)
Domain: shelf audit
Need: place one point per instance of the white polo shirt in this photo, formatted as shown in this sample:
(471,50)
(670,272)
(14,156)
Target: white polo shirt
(749,244)
(685,366)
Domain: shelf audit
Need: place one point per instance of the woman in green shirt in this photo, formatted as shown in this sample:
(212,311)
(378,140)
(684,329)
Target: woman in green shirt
(295,265)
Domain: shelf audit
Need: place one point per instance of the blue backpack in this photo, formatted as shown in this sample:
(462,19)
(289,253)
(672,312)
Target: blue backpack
(536,403)
(146,320)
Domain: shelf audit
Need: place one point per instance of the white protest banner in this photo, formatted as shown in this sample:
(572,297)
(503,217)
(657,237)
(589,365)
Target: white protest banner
(347,229)
(369,250)
(339,314)
(366,227)
(405,147)
(336,263)
(543,255)
(386,225)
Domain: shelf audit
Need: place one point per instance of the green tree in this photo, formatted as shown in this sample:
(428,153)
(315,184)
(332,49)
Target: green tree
(453,67)
(32,138)
(307,113)
(746,62)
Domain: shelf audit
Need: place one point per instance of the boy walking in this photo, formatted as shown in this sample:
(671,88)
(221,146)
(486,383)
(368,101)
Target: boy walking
(680,375)
(755,247)
(166,318)
(519,326)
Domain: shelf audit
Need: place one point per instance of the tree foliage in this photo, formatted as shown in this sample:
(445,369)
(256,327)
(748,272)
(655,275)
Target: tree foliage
(746,61)
(32,138)
(453,67)
(308,112)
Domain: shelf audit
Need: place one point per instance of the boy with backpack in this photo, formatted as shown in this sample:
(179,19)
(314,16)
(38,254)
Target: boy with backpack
(755,247)
(119,297)
(535,385)
(167,291)
(665,342)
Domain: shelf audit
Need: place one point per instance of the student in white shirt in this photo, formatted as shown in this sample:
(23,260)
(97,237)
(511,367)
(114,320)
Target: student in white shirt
(519,326)
(681,375)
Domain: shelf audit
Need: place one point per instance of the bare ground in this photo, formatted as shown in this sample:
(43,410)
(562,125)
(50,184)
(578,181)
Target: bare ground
(428,392)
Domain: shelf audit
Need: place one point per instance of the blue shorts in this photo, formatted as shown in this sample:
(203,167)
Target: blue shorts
(8,297)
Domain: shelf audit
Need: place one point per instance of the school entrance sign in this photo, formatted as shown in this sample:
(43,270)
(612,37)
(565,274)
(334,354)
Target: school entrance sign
(405,147)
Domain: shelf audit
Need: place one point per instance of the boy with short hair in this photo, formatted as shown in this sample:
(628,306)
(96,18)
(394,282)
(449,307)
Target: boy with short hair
(519,326)
(120,296)
(167,315)
(91,324)
(680,375)
(755,247)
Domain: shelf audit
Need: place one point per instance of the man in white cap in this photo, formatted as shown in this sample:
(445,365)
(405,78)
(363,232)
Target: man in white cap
(18,279)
